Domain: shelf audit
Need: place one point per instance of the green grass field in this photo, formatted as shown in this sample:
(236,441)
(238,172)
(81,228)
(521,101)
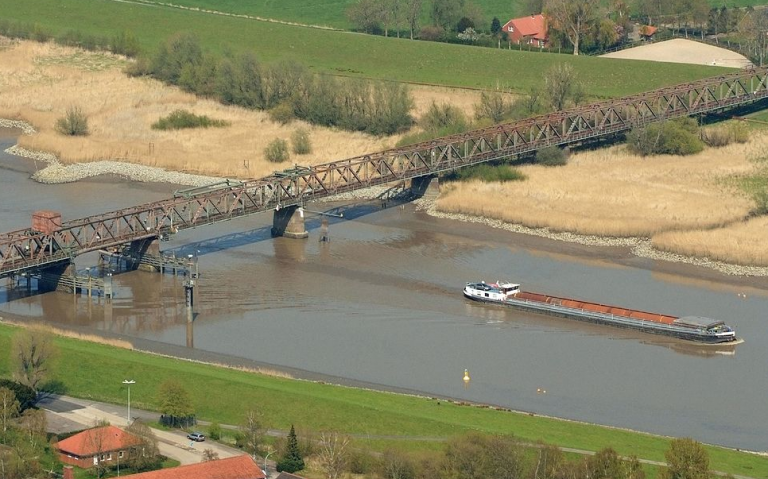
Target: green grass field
(332,13)
(223,395)
(348,53)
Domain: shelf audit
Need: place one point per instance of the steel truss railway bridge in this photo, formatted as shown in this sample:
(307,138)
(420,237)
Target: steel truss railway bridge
(134,231)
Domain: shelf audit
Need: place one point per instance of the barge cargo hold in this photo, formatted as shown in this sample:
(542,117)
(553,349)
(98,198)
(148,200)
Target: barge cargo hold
(690,328)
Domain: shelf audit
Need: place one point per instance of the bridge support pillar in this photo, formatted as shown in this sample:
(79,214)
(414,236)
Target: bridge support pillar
(425,186)
(140,249)
(289,222)
(51,278)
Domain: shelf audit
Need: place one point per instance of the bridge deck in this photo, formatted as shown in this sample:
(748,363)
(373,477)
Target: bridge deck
(27,249)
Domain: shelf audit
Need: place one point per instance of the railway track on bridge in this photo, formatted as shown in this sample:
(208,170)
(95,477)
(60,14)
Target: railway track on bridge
(30,249)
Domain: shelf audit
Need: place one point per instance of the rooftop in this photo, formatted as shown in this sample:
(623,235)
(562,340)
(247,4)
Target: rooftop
(239,467)
(97,440)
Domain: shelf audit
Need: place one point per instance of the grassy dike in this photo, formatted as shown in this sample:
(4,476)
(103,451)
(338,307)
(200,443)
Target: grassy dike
(348,53)
(90,370)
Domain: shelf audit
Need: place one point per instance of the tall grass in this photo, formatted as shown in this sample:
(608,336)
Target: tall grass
(612,193)
(38,82)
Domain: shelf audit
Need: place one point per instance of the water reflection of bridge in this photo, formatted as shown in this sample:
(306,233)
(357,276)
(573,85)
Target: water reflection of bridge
(138,229)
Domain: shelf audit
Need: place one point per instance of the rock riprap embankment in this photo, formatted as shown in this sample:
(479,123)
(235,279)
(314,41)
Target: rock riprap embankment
(56,172)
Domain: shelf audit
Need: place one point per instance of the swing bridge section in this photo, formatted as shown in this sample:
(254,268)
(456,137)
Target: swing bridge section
(135,231)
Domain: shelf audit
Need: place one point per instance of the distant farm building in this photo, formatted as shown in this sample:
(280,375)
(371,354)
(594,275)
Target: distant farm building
(647,32)
(530,30)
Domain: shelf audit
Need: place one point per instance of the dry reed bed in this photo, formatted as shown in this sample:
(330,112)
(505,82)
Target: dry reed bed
(610,192)
(38,82)
(681,203)
(740,243)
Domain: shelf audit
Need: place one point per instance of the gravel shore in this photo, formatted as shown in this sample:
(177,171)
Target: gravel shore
(641,247)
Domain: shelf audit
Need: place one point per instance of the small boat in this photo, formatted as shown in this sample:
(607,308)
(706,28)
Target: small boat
(690,328)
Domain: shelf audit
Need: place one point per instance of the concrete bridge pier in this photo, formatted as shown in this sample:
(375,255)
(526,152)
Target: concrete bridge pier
(289,222)
(426,186)
(141,253)
(51,278)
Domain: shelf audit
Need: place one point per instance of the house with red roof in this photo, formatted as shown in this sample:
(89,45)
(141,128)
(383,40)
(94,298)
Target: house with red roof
(530,30)
(238,467)
(93,446)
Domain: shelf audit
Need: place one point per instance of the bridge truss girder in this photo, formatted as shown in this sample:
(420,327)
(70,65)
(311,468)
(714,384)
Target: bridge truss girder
(26,249)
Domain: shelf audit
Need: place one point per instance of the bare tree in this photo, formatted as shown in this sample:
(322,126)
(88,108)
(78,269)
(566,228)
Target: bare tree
(561,86)
(333,453)
(9,407)
(412,15)
(571,17)
(210,455)
(252,431)
(33,424)
(145,455)
(32,351)
(396,465)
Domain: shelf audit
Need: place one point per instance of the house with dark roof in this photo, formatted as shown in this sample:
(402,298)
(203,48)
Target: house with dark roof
(93,446)
(238,467)
(530,30)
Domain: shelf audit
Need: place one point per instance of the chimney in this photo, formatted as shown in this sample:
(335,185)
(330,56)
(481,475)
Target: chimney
(68,472)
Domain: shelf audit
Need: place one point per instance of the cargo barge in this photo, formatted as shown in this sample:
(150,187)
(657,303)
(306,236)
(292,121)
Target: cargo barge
(690,328)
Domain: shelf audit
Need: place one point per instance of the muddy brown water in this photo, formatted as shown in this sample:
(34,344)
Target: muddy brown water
(381,305)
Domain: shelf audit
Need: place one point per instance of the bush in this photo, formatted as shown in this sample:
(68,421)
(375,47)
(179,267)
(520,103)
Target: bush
(441,117)
(717,136)
(551,156)
(431,33)
(300,141)
(487,173)
(282,113)
(73,123)
(214,431)
(740,132)
(24,394)
(676,137)
(493,106)
(277,151)
(125,43)
(180,119)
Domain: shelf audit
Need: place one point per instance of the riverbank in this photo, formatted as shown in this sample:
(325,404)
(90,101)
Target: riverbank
(221,394)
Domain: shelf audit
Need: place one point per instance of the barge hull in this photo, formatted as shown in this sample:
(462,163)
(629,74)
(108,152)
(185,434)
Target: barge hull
(599,318)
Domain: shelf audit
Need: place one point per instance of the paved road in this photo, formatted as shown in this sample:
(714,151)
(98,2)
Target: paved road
(67,414)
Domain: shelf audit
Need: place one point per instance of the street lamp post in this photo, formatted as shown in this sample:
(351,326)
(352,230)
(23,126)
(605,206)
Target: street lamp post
(265,463)
(128,383)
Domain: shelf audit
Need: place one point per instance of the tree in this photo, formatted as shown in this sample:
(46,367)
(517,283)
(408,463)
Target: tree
(396,465)
(32,352)
(210,455)
(686,459)
(607,464)
(291,461)
(333,454)
(33,425)
(24,394)
(446,13)
(412,15)
(561,86)
(368,15)
(495,26)
(175,404)
(533,7)
(9,408)
(493,105)
(252,431)
(144,456)
(572,18)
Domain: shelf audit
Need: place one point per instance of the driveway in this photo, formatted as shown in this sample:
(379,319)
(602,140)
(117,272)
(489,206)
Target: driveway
(66,414)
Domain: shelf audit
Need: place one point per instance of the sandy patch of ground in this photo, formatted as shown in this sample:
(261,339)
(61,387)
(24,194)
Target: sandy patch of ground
(38,82)
(680,50)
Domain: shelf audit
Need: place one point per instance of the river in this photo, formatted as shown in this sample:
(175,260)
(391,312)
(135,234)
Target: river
(381,305)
